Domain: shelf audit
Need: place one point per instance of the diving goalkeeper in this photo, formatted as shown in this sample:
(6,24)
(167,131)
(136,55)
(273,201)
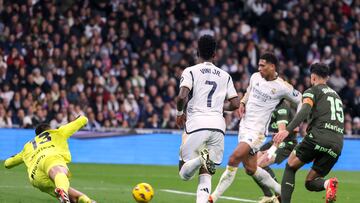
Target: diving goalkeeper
(46,158)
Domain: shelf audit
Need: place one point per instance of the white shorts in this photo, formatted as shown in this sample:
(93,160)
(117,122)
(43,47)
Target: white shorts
(253,138)
(192,145)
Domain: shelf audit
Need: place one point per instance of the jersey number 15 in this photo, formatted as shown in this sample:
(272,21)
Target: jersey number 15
(336,109)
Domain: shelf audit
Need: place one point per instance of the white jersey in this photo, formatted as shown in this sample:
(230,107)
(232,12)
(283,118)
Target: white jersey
(263,97)
(210,87)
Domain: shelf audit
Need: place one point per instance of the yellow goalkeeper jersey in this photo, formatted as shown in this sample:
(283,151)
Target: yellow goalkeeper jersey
(49,142)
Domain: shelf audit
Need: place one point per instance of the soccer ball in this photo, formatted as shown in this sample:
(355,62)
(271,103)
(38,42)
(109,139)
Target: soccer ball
(143,193)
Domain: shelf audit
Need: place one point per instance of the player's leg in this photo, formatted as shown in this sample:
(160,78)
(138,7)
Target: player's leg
(288,181)
(78,197)
(215,145)
(322,165)
(240,153)
(190,158)
(55,167)
(261,175)
(59,174)
(261,159)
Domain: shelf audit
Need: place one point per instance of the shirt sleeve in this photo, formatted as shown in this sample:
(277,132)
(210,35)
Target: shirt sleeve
(187,79)
(14,160)
(309,93)
(293,96)
(72,127)
(248,90)
(230,92)
(282,115)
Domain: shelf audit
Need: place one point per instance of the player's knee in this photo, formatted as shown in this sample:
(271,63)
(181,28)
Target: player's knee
(184,176)
(250,171)
(234,160)
(308,185)
(290,167)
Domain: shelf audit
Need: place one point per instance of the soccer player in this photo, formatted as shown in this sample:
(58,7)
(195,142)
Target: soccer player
(203,143)
(323,142)
(46,158)
(280,117)
(264,93)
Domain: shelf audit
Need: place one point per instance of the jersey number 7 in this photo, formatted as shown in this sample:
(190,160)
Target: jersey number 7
(214,86)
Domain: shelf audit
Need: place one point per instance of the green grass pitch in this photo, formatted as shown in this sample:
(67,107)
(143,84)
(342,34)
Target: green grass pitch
(113,184)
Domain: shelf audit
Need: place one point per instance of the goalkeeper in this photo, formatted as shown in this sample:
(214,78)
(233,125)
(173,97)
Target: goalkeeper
(46,158)
(267,155)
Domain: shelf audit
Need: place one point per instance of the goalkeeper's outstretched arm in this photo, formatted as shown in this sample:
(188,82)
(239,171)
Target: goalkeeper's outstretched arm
(14,161)
(70,128)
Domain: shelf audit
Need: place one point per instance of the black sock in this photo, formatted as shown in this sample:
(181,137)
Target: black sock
(267,192)
(315,185)
(271,172)
(287,184)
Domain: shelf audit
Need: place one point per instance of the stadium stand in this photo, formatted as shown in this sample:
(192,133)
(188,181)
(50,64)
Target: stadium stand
(119,61)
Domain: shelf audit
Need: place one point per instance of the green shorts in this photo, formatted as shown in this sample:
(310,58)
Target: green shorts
(323,156)
(283,152)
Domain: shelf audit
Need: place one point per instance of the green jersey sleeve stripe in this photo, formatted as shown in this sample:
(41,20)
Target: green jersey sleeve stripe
(308,95)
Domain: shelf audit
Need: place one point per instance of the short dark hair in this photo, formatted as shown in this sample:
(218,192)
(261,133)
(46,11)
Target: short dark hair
(270,58)
(206,46)
(320,69)
(41,128)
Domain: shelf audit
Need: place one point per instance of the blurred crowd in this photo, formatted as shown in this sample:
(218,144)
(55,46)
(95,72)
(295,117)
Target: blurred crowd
(119,61)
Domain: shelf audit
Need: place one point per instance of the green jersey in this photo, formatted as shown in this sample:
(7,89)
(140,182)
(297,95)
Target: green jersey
(282,114)
(326,120)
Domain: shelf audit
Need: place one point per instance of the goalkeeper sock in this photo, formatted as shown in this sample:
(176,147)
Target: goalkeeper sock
(189,169)
(84,199)
(62,182)
(225,181)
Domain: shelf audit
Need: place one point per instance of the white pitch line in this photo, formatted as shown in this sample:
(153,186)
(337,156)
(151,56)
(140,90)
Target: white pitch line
(222,197)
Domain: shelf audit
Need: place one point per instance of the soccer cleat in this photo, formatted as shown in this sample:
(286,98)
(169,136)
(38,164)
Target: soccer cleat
(266,199)
(210,200)
(208,164)
(62,196)
(331,190)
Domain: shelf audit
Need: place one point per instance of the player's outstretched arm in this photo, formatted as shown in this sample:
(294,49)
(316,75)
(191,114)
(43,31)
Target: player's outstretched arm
(299,117)
(14,161)
(70,128)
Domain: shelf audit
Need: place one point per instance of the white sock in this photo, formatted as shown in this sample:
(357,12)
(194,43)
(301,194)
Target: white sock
(189,169)
(204,188)
(326,183)
(225,181)
(265,178)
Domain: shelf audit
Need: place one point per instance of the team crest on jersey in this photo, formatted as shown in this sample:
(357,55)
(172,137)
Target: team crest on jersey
(182,79)
(273,91)
(295,93)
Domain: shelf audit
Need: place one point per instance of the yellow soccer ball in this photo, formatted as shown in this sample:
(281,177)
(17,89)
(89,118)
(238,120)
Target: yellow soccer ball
(143,193)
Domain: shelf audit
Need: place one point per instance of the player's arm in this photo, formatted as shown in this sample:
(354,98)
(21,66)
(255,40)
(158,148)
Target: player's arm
(231,96)
(308,103)
(245,98)
(72,127)
(186,84)
(14,161)
(293,96)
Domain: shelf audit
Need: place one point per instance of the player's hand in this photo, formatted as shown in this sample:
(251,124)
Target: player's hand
(180,120)
(241,110)
(280,136)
